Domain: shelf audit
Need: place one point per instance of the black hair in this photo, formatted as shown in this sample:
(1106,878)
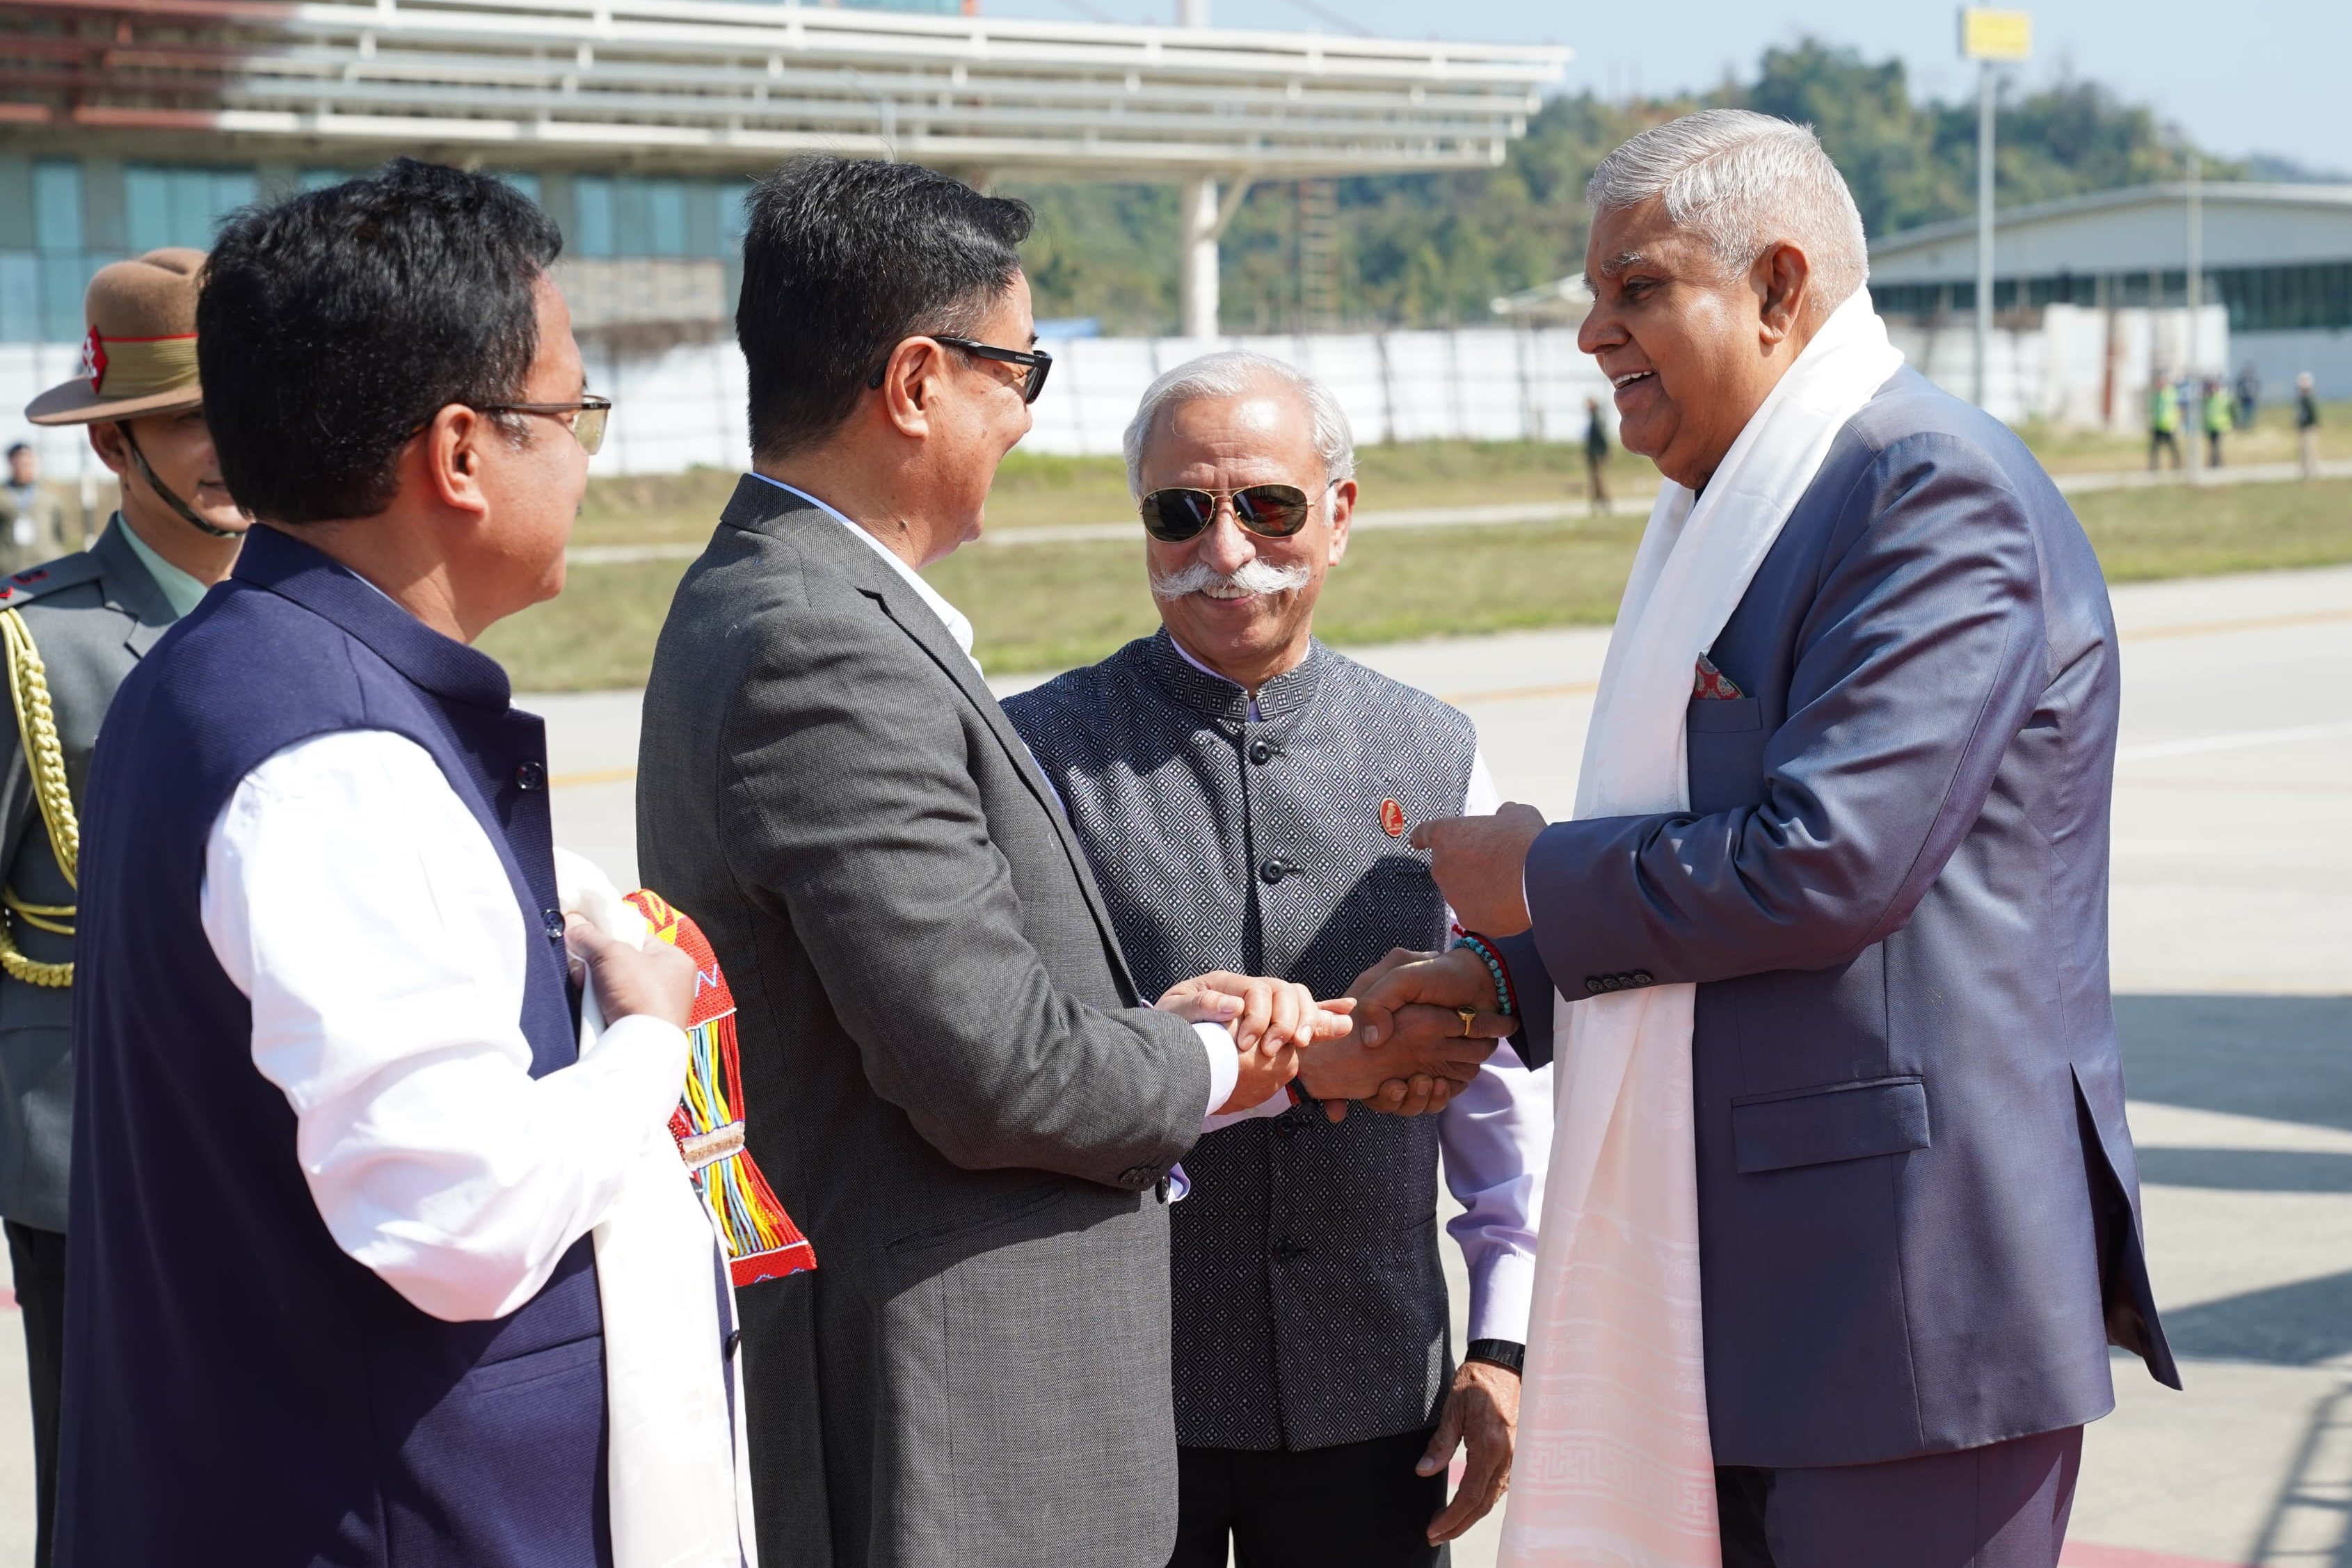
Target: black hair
(17,447)
(844,259)
(333,324)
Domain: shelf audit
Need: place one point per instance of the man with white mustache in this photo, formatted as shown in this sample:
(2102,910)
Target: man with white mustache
(1241,793)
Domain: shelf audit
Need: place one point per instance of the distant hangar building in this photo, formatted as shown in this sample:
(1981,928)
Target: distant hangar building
(2277,257)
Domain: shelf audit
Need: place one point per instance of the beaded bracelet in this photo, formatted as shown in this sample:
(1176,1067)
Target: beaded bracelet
(1496,967)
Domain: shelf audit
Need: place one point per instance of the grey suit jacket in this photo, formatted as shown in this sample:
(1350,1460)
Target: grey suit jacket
(950,1083)
(1918,1209)
(91,615)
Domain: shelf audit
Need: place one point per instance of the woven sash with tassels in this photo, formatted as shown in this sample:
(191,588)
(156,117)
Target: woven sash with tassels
(762,1243)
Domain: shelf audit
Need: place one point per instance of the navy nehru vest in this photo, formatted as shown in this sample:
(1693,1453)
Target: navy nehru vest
(236,1389)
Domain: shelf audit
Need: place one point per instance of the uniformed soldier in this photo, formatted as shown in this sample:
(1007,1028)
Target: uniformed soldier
(69,631)
(35,525)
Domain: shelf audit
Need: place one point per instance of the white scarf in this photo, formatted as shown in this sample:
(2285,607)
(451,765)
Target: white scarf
(1614,1465)
(678,1468)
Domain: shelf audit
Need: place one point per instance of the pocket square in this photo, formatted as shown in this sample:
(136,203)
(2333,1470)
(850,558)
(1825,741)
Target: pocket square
(1712,684)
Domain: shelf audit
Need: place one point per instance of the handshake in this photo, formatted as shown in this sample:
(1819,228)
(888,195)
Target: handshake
(1412,1032)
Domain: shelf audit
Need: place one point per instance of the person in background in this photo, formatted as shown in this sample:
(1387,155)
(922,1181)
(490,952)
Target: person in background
(76,625)
(2219,410)
(2306,425)
(336,1154)
(2250,394)
(2163,420)
(36,528)
(1240,790)
(1596,456)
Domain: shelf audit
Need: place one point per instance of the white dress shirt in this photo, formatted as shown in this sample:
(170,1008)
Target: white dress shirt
(1225,1060)
(360,907)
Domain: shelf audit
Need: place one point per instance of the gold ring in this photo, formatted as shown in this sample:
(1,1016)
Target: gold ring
(1468,1016)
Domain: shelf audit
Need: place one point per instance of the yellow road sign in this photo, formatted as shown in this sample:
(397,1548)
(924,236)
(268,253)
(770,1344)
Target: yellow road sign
(1987,34)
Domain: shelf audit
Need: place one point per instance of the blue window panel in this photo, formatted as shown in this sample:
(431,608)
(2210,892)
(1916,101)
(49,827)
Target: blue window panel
(702,219)
(232,189)
(20,296)
(665,209)
(633,224)
(57,210)
(527,183)
(320,179)
(191,205)
(63,280)
(592,211)
(147,204)
(733,216)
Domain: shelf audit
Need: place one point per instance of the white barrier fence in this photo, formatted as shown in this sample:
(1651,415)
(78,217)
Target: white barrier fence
(683,408)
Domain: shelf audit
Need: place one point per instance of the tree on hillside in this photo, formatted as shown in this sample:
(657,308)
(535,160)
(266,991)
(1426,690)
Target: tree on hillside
(1433,250)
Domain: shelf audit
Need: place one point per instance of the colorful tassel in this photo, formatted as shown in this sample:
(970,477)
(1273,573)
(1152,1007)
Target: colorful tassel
(762,1243)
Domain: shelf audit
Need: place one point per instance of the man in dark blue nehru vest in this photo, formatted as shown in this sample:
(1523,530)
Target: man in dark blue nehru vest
(1241,791)
(334,1160)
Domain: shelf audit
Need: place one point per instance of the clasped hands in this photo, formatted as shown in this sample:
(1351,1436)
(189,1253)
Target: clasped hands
(1410,1058)
(1415,1027)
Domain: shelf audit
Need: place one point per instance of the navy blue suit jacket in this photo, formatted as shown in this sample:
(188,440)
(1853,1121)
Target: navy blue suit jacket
(1918,1208)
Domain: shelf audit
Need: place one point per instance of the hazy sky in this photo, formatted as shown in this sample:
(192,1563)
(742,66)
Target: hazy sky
(2243,76)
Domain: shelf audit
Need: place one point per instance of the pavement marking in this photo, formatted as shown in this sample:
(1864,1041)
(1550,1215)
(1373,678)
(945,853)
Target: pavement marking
(2085,1554)
(2198,744)
(2248,624)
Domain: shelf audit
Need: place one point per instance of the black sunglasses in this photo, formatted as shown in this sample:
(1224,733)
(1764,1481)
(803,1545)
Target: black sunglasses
(1270,512)
(1036,361)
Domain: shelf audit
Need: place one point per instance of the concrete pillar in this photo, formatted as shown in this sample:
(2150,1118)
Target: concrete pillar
(1196,280)
(1196,283)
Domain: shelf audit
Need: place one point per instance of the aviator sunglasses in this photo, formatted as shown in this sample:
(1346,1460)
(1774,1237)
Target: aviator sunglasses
(1270,512)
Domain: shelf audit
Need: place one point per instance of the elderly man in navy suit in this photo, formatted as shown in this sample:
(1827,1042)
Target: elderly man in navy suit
(1879,881)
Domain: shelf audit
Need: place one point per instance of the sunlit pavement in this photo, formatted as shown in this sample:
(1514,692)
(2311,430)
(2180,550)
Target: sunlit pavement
(2232,943)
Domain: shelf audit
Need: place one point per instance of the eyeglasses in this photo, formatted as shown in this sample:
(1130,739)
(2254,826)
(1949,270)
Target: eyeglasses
(1036,361)
(585,419)
(1270,512)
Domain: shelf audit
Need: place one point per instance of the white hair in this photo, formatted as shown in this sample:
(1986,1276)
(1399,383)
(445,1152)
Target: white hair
(1229,374)
(1744,182)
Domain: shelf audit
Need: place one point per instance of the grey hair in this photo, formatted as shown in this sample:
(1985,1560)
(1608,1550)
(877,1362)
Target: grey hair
(1743,181)
(1229,374)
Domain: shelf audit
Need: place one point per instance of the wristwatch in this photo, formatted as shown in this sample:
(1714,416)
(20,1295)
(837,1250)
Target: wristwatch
(1508,1354)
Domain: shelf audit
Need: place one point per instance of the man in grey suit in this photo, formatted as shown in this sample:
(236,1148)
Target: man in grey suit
(952,1080)
(1919,1218)
(75,626)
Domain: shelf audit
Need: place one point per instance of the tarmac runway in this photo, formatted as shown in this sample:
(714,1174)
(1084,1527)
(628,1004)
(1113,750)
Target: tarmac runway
(2232,968)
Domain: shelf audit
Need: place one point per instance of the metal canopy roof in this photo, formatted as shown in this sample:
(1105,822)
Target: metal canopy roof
(730,83)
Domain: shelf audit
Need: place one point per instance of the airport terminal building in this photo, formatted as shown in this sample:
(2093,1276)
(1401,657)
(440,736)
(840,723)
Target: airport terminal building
(135,124)
(2276,257)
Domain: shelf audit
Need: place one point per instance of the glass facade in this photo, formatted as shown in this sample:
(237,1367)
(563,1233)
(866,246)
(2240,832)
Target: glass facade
(2315,296)
(62,218)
